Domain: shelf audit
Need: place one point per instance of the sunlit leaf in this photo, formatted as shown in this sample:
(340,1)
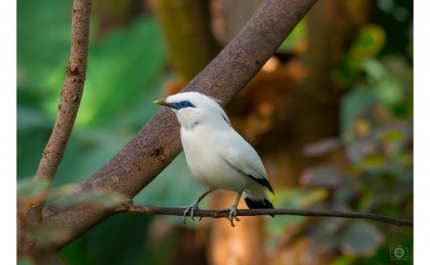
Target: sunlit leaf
(374,69)
(361,238)
(298,198)
(392,136)
(101,198)
(369,42)
(313,197)
(296,36)
(389,91)
(373,161)
(361,127)
(343,260)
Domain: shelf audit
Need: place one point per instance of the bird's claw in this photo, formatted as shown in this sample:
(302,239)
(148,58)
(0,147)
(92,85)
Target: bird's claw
(192,208)
(233,214)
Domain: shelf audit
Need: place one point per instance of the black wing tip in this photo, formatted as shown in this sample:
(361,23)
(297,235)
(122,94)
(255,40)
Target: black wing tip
(264,204)
(261,181)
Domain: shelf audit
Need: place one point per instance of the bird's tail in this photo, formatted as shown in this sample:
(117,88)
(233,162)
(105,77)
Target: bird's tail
(259,204)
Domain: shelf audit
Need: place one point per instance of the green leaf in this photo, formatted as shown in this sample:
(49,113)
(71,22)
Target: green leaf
(297,35)
(353,104)
(361,239)
(370,41)
(389,91)
(298,198)
(52,231)
(103,198)
(28,188)
(294,198)
(343,260)
(373,161)
(25,260)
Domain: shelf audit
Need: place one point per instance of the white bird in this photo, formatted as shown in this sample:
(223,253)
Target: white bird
(218,157)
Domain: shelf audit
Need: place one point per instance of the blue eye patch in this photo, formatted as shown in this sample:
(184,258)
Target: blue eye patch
(182,104)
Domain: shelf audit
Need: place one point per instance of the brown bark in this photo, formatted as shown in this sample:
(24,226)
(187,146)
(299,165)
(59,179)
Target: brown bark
(71,93)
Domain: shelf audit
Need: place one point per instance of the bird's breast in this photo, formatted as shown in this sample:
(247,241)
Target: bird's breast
(207,164)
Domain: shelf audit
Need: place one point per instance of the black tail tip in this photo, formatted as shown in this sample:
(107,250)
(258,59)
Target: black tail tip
(264,204)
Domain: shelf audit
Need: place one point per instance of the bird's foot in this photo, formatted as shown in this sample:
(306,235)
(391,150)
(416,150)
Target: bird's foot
(192,208)
(233,215)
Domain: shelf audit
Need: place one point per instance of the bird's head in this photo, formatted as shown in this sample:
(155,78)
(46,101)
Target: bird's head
(193,108)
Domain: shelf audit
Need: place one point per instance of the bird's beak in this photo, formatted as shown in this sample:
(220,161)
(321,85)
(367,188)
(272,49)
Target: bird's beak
(164,103)
(161,102)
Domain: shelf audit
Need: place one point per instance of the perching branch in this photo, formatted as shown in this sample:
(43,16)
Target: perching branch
(158,142)
(254,212)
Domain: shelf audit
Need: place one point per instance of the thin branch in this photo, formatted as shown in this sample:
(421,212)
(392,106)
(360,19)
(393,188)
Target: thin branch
(158,142)
(254,212)
(71,93)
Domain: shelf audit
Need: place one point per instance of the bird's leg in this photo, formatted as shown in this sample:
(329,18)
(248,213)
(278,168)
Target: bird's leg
(193,207)
(233,210)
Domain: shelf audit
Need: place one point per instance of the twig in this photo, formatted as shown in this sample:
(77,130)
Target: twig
(71,93)
(254,212)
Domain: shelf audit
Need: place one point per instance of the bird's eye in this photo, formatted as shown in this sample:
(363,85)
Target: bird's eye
(183,104)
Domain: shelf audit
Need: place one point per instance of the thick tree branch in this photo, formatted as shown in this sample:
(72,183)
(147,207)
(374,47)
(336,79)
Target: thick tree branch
(254,212)
(158,143)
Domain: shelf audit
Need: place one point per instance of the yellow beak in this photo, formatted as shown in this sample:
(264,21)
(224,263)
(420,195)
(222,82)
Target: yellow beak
(161,101)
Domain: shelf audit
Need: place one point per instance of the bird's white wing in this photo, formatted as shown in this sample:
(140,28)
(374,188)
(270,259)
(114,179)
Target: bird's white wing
(241,156)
